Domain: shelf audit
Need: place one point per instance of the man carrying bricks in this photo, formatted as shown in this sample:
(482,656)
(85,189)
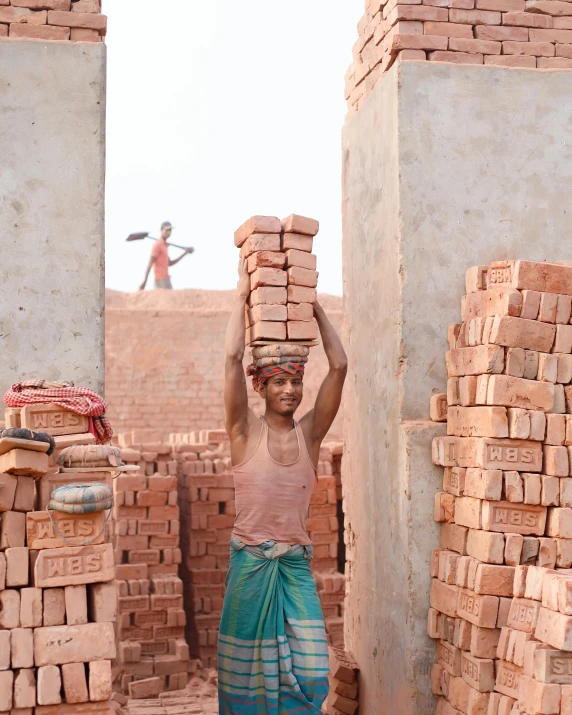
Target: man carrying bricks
(159,260)
(273,654)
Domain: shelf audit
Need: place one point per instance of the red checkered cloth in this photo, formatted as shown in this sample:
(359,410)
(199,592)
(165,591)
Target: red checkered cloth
(262,374)
(80,400)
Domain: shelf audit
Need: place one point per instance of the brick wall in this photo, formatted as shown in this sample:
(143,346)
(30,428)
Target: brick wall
(509,33)
(73,20)
(165,360)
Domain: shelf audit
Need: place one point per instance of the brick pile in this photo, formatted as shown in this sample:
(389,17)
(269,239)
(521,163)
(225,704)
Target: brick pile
(73,20)
(152,653)
(283,277)
(57,602)
(508,33)
(200,697)
(501,581)
(343,695)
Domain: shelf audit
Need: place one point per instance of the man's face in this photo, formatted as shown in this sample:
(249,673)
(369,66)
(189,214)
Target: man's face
(166,232)
(283,393)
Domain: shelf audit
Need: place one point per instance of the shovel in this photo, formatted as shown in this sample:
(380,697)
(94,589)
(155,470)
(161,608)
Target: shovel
(141,236)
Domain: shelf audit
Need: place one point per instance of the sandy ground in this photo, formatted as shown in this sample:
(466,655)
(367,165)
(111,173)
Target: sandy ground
(189,299)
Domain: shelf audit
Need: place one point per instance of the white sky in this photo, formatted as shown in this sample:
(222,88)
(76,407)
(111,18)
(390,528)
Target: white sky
(217,110)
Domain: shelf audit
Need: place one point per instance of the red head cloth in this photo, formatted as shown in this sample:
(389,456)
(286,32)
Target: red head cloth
(261,375)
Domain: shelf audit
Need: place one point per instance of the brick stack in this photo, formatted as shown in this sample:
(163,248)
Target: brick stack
(206,493)
(343,696)
(283,277)
(332,590)
(153,653)
(505,509)
(75,20)
(57,602)
(508,33)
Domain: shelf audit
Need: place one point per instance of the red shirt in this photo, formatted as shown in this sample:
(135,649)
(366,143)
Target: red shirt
(160,252)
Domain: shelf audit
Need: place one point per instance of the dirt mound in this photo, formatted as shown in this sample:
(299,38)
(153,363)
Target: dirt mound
(189,299)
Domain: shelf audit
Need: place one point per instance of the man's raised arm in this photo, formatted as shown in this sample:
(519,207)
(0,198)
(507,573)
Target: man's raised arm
(330,393)
(235,394)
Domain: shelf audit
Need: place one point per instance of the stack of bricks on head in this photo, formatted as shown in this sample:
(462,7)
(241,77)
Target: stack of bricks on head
(283,277)
(501,592)
(507,33)
(202,465)
(57,602)
(60,20)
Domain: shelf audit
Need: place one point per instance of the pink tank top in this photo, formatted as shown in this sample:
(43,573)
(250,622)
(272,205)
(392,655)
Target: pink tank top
(272,499)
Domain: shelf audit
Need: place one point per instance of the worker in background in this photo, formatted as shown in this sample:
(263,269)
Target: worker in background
(159,260)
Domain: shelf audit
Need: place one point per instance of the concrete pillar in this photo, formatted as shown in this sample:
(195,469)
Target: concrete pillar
(445,166)
(52,149)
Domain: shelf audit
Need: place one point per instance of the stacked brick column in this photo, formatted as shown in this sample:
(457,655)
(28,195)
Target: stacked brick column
(75,20)
(509,33)
(502,582)
(57,602)
(153,653)
(206,493)
(283,277)
(343,696)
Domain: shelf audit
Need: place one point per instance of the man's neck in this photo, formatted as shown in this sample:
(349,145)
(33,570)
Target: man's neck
(279,423)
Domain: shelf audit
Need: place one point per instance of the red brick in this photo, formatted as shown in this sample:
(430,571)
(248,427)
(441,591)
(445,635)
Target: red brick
(74,565)
(74,644)
(510,61)
(49,685)
(553,63)
(474,17)
(302,277)
(297,242)
(301,294)
(266,259)
(303,259)
(256,224)
(477,422)
(81,34)
(300,224)
(475,360)
(508,677)
(537,49)
(444,597)
(43,4)
(24,689)
(527,19)
(418,42)
(260,242)
(75,683)
(17,567)
(302,330)
(300,312)
(555,629)
(448,29)
(271,277)
(100,680)
(517,34)
(475,46)
(479,673)
(486,546)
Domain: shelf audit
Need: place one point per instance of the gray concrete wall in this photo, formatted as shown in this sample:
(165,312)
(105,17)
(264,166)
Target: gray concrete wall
(445,166)
(52,149)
